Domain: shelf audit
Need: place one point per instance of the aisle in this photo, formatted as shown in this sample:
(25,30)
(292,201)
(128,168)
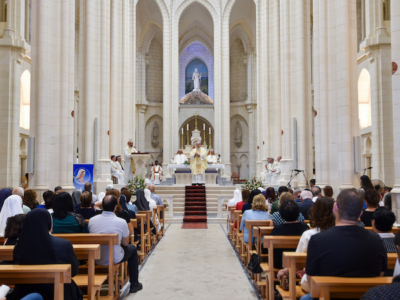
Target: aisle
(193,264)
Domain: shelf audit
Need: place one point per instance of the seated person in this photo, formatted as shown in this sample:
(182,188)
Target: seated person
(237,197)
(48,201)
(270,195)
(307,202)
(180,158)
(129,205)
(155,197)
(245,199)
(76,195)
(382,223)
(258,211)
(108,222)
(13,229)
(37,247)
(328,191)
(386,292)
(86,209)
(275,205)
(276,216)
(290,212)
(372,199)
(344,249)
(321,218)
(249,203)
(12,206)
(212,158)
(120,213)
(30,199)
(64,218)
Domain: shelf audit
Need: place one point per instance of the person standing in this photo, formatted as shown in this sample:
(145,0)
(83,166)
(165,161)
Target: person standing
(130,167)
(198,164)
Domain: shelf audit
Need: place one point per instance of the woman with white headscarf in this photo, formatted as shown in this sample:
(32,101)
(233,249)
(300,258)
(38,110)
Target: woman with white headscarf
(101,196)
(152,204)
(237,197)
(12,206)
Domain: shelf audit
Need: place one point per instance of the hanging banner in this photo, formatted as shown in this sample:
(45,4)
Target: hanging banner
(82,173)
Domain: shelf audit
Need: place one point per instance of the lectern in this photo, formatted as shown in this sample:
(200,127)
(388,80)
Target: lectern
(140,160)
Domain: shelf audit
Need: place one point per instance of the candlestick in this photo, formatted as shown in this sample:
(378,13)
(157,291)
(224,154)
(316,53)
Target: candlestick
(204,132)
(195,120)
(182,140)
(182,130)
(204,126)
(209,130)
(188,139)
(188,127)
(210,147)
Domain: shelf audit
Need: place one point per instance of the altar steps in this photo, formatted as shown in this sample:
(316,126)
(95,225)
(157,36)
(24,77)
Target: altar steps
(195,205)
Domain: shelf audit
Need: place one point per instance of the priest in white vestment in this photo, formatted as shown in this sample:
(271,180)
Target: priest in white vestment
(115,172)
(156,173)
(212,158)
(268,169)
(180,158)
(273,176)
(198,164)
(119,164)
(130,167)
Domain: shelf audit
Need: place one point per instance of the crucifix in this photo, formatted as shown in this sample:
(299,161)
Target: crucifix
(195,120)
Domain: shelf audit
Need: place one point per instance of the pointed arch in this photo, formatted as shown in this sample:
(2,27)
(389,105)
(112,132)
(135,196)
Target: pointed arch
(244,32)
(150,29)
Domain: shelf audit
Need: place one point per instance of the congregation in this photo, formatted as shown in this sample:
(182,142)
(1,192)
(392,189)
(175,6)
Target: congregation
(26,224)
(349,235)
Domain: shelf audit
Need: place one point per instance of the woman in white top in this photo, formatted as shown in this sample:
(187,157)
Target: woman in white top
(152,204)
(12,206)
(321,218)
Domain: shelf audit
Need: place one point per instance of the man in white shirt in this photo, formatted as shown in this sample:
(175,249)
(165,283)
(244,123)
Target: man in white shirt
(114,170)
(316,192)
(212,158)
(180,158)
(108,222)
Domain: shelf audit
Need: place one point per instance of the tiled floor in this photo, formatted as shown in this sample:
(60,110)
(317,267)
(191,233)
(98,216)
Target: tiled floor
(194,226)
(193,265)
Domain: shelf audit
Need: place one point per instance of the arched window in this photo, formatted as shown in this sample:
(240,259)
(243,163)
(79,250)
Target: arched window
(25,100)
(364,99)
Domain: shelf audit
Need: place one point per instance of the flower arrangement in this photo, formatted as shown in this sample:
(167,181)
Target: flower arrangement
(252,184)
(186,163)
(135,184)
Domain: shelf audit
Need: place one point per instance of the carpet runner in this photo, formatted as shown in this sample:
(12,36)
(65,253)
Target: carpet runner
(194,226)
(195,205)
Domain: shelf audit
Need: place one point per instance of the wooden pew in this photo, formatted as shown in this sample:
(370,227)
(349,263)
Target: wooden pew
(161,217)
(230,210)
(83,252)
(259,233)
(148,214)
(248,247)
(323,287)
(109,239)
(297,260)
(143,235)
(155,237)
(276,242)
(394,229)
(239,234)
(37,274)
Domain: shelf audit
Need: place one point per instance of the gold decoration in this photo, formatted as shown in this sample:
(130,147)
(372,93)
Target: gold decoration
(195,120)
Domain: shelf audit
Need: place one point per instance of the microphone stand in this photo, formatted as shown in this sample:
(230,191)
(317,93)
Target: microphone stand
(291,178)
(305,177)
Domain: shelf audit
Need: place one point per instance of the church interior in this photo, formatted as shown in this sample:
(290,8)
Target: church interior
(313,85)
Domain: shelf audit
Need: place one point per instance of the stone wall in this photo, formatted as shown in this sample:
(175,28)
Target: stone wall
(154,74)
(238,72)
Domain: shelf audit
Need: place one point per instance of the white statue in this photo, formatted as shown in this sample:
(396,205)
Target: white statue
(196,78)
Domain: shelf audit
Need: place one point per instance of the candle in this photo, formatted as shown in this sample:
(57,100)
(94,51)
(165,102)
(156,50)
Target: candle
(209,130)
(187,126)
(182,130)
(204,126)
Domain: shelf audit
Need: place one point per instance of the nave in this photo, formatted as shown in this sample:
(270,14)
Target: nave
(193,264)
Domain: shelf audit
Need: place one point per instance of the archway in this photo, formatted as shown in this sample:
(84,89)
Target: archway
(203,125)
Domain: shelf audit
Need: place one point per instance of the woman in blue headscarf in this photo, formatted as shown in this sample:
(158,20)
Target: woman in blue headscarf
(4,194)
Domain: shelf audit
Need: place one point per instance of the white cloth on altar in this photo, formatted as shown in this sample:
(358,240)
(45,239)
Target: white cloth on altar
(152,204)
(212,159)
(127,156)
(180,159)
(114,172)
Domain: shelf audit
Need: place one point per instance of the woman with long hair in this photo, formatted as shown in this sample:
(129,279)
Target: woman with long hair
(366,183)
(30,199)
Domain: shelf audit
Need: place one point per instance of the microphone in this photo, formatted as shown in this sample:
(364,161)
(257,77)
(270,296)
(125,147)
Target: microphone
(369,168)
(297,170)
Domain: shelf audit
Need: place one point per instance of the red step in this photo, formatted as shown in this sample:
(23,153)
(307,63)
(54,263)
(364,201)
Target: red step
(197,208)
(204,204)
(195,213)
(195,219)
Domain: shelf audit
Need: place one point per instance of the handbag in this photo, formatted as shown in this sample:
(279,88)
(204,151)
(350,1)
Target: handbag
(284,282)
(255,260)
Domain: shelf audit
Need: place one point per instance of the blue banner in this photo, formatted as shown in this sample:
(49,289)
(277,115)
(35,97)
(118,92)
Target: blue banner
(82,173)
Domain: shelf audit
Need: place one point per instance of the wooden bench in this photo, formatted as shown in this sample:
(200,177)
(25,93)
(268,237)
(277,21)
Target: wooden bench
(109,239)
(37,274)
(323,287)
(297,260)
(248,247)
(230,210)
(276,242)
(161,217)
(148,214)
(394,229)
(143,235)
(239,233)
(83,252)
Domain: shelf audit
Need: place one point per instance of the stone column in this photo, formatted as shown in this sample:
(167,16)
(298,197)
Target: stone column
(252,140)
(52,93)
(9,30)
(395,35)
(381,29)
(141,133)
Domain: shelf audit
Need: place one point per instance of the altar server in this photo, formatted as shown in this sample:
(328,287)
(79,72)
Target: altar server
(156,173)
(212,158)
(114,170)
(273,176)
(130,167)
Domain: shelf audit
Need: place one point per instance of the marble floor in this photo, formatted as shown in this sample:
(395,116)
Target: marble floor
(193,264)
